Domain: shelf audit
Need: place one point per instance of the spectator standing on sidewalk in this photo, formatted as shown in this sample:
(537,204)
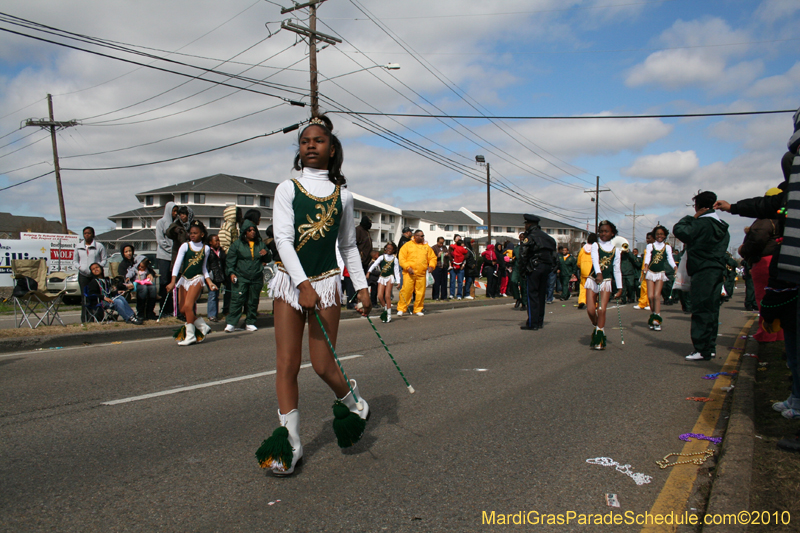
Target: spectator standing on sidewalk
(706,238)
(228,234)
(440,250)
(216,267)
(458,257)
(519,287)
(164,256)
(760,248)
(245,268)
(416,260)
(470,270)
(86,253)
(490,271)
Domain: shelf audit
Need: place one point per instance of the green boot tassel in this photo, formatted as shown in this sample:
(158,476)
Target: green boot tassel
(276,450)
(180,334)
(594,341)
(656,318)
(348,426)
(650,320)
(601,340)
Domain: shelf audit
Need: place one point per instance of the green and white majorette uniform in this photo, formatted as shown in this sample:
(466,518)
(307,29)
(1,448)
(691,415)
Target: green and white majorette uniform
(389,268)
(605,259)
(190,264)
(657,256)
(312,217)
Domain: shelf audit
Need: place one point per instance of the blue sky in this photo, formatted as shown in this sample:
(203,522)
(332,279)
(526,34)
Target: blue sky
(518,58)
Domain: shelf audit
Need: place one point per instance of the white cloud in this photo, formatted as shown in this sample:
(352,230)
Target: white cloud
(677,166)
(780,85)
(774,10)
(705,66)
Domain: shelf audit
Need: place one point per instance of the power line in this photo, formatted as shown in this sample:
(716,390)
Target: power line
(284,130)
(580,117)
(27,181)
(162,69)
(176,136)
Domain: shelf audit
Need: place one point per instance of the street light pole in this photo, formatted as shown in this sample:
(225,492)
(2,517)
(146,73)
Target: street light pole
(482,160)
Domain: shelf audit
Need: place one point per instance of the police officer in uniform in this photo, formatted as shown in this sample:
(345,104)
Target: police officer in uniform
(538,258)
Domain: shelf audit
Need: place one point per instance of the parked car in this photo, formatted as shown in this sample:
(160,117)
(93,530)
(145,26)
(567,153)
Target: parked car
(61,280)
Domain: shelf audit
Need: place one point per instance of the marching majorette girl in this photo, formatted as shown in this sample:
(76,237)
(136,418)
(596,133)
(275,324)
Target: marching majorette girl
(656,258)
(389,267)
(605,264)
(189,274)
(312,213)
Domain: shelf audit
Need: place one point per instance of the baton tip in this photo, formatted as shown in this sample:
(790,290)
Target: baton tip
(410,389)
(360,405)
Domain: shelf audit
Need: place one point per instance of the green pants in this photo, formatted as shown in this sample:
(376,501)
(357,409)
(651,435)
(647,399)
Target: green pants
(629,289)
(685,298)
(513,287)
(706,294)
(565,287)
(244,292)
(749,294)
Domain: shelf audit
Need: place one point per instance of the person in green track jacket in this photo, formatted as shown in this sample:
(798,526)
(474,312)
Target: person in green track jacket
(245,267)
(706,238)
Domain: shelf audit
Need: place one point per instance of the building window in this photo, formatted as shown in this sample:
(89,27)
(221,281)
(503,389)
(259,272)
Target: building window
(214,222)
(356,214)
(127,223)
(148,200)
(462,228)
(549,231)
(264,201)
(244,199)
(448,227)
(383,237)
(433,227)
(562,232)
(184,197)
(199,198)
(391,219)
(497,229)
(145,222)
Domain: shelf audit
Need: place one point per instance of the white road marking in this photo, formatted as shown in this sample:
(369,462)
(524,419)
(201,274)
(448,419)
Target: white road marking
(204,385)
(82,347)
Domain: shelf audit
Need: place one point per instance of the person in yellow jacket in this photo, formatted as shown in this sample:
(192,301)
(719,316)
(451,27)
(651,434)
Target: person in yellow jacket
(585,267)
(416,260)
(644,301)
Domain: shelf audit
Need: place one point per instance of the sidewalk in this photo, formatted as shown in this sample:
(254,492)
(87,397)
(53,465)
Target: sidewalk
(151,330)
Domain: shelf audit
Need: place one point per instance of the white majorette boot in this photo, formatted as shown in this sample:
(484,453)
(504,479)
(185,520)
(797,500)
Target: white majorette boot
(201,326)
(190,338)
(291,421)
(350,402)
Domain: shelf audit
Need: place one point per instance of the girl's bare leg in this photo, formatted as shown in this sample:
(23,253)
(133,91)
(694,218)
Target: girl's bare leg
(605,296)
(289,326)
(381,294)
(321,357)
(591,307)
(188,298)
(387,294)
(655,295)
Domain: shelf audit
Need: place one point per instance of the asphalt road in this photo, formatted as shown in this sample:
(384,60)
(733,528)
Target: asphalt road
(503,420)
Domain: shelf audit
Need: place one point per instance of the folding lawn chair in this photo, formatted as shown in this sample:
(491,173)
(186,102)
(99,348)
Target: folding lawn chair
(95,310)
(29,302)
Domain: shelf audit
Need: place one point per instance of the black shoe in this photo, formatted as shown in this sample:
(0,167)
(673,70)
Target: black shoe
(581,306)
(517,304)
(532,328)
(790,444)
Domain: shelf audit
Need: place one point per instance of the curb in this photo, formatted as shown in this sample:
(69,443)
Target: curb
(730,489)
(47,342)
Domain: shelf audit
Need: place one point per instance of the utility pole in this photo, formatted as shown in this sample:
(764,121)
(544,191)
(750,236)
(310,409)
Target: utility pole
(481,160)
(488,204)
(313,36)
(596,199)
(52,124)
(634,216)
